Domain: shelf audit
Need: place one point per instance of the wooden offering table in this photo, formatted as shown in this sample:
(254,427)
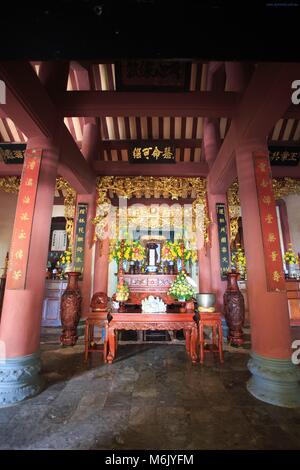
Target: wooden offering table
(154,321)
(293,295)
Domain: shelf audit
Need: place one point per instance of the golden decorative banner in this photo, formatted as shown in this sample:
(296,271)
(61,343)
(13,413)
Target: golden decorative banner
(19,252)
(269,226)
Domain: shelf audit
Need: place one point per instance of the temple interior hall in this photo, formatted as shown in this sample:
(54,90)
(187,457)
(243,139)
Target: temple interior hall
(149,254)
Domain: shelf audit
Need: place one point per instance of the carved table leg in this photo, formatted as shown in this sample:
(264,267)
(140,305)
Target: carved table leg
(111,345)
(221,342)
(193,345)
(201,342)
(105,342)
(214,338)
(187,334)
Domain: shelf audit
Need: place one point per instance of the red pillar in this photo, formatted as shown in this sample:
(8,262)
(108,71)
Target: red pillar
(274,379)
(90,147)
(101,265)
(204,274)
(212,143)
(21,314)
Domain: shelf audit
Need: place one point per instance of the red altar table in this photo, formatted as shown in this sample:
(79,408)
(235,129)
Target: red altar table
(143,285)
(154,321)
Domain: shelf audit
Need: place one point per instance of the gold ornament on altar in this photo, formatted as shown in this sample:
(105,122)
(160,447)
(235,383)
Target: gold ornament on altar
(10,184)
(234,209)
(285,186)
(70,204)
(144,186)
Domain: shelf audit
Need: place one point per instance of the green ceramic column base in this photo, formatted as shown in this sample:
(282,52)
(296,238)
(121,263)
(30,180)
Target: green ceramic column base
(274,381)
(19,378)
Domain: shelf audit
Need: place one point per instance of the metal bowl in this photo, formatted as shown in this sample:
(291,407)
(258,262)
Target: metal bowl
(206,300)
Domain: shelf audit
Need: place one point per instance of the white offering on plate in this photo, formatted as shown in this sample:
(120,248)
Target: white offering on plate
(153,305)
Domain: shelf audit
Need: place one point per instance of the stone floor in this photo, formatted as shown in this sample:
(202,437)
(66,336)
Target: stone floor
(152,397)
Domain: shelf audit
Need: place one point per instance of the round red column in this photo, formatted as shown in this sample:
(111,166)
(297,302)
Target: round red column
(204,269)
(21,314)
(101,264)
(274,377)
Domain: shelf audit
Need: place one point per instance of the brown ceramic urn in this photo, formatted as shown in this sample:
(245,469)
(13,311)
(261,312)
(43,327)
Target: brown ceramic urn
(70,310)
(234,309)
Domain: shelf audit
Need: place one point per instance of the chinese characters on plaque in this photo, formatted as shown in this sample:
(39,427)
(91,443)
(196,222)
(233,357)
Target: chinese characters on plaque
(152,152)
(268,221)
(284,156)
(80,237)
(223,240)
(12,153)
(59,240)
(16,274)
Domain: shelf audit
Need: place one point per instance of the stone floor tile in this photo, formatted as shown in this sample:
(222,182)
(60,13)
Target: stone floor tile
(152,397)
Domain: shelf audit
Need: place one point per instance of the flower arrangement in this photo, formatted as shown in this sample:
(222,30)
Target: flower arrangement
(290,256)
(122,292)
(238,260)
(181,288)
(115,250)
(138,251)
(65,259)
(190,254)
(173,250)
(168,252)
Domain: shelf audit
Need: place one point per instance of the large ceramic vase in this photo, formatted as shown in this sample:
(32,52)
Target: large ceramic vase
(70,310)
(234,310)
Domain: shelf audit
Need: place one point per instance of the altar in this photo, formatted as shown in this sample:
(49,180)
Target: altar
(143,285)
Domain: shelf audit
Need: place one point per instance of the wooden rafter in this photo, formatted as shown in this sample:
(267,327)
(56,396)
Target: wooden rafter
(111,103)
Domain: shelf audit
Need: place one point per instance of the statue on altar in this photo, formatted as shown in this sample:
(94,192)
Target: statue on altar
(153,252)
(153,305)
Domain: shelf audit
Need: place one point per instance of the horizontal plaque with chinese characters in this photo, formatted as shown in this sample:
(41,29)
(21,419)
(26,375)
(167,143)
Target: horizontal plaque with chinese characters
(80,237)
(19,252)
(284,156)
(223,240)
(152,75)
(12,153)
(269,226)
(158,151)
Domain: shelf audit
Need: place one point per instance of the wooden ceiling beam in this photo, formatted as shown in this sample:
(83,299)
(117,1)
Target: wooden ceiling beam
(264,102)
(32,110)
(126,144)
(113,103)
(102,168)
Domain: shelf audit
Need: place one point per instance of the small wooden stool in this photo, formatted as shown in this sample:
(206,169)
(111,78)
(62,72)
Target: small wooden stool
(95,319)
(212,320)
